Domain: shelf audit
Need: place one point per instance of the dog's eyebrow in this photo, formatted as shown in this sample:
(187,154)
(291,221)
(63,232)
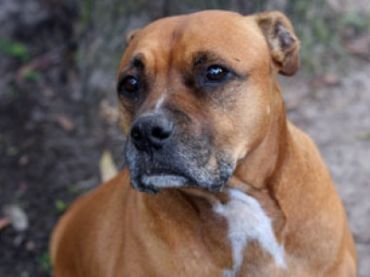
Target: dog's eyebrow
(138,62)
(209,57)
(202,57)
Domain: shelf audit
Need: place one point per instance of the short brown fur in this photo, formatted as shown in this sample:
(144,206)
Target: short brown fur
(118,231)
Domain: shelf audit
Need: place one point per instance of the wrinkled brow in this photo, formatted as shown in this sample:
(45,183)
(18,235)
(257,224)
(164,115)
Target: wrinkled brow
(204,57)
(138,62)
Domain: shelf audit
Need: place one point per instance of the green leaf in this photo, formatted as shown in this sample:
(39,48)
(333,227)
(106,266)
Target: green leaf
(60,205)
(44,262)
(14,49)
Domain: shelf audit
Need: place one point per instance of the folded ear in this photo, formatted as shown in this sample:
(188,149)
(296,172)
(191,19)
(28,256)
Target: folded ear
(283,43)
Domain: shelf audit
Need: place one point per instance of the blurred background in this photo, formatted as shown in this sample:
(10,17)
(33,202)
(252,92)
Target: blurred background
(58,133)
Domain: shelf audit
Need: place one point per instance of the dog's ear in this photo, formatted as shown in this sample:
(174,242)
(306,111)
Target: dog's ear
(130,35)
(281,39)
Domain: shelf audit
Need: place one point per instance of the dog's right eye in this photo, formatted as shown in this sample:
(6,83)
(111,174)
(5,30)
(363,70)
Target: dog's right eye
(128,86)
(216,73)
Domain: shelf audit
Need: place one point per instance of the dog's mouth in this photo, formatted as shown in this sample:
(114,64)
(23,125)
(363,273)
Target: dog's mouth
(178,165)
(164,180)
(154,180)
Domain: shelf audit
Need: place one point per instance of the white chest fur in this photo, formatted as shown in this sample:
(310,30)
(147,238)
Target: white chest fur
(247,221)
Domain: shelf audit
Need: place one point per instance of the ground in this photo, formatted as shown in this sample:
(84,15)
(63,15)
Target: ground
(337,117)
(53,135)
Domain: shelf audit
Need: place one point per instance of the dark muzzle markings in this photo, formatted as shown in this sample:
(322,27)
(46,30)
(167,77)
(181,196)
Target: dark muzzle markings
(162,151)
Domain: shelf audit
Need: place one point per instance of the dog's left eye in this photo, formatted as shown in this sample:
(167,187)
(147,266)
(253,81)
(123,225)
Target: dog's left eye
(216,73)
(128,85)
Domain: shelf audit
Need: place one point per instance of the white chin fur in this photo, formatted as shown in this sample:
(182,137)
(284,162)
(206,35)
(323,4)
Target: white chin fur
(164,181)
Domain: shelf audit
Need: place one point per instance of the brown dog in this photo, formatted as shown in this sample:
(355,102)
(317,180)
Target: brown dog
(233,188)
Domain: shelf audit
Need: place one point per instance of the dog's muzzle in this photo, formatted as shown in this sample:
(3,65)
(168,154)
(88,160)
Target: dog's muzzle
(159,156)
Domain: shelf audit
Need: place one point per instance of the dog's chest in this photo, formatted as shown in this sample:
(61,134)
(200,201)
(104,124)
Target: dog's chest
(248,222)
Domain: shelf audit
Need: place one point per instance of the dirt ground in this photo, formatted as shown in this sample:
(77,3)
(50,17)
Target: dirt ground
(52,135)
(337,117)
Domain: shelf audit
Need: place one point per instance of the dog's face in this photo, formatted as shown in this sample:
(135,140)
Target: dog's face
(195,95)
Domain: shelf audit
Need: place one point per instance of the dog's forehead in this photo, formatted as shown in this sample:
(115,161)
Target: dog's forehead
(229,34)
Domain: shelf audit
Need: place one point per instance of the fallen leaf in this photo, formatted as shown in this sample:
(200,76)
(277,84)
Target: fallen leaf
(30,246)
(359,47)
(17,217)
(4,222)
(24,160)
(65,122)
(108,112)
(329,80)
(107,167)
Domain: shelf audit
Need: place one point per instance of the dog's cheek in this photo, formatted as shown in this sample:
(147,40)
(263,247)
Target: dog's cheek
(241,128)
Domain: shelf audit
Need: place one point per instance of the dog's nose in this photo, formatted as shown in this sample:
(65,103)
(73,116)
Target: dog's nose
(151,132)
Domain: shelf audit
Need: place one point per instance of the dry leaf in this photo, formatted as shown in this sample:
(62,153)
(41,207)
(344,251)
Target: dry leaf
(328,80)
(4,222)
(359,47)
(23,160)
(107,167)
(108,112)
(65,122)
(17,217)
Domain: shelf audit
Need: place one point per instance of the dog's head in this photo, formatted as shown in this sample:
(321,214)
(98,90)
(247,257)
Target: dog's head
(195,94)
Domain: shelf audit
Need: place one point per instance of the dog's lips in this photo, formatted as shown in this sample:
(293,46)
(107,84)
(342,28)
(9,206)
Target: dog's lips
(164,180)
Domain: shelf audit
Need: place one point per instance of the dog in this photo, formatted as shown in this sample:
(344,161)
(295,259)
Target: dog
(218,182)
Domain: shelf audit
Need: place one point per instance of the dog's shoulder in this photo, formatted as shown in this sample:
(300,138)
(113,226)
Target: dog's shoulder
(83,220)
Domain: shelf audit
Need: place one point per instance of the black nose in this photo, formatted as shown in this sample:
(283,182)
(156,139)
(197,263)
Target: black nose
(151,132)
